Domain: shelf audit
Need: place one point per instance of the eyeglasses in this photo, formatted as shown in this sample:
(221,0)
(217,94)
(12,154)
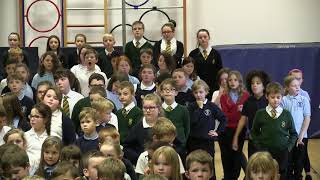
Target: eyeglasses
(34,116)
(149,108)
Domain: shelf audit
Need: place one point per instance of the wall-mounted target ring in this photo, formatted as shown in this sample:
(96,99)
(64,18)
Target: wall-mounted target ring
(119,26)
(136,3)
(151,10)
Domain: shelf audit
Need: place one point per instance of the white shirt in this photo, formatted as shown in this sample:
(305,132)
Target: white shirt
(209,48)
(34,144)
(148,88)
(114,120)
(141,42)
(79,68)
(3,84)
(56,124)
(3,131)
(73,98)
(278,109)
(130,106)
(173,46)
(142,163)
(173,105)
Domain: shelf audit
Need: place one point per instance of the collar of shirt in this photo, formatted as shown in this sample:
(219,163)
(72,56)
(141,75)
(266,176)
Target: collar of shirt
(173,45)
(173,105)
(129,107)
(205,101)
(143,87)
(144,123)
(21,95)
(279,110)
(294,97)
(92,136)
(141,42)
(56,113)
(209,48)
(107,52)
(33,133)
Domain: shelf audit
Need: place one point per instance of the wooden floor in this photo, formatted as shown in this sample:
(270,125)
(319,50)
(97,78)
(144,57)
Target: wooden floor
(314,155)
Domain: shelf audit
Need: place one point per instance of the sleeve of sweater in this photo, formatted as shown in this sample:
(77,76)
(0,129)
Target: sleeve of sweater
(219,115)
(255,131)
(68,132)
(130,145)
(186,122)
(293,136)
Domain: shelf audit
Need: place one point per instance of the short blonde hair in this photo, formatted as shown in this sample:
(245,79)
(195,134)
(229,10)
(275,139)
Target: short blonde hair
(108,131)
(88,112)
(112,169)
(107,35)
(164,127)
(261,161)
(198,84)
(102,105)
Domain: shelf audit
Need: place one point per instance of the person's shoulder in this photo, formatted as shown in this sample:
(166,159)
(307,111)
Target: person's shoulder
(194,52)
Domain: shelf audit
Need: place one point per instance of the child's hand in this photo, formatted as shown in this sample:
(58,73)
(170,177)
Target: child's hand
(299,142)
(240,107)
(212,133)
(235,144)
(147,171)
(200,104)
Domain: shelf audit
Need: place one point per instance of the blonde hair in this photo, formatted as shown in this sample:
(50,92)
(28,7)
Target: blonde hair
(172,159)
(108,132)
(102,105)
(241,87)
(106,35)
(112,169)
(261,161)
(89,112)
(157,100)
(163,127)
(198,84)
(116,147)
(287,81)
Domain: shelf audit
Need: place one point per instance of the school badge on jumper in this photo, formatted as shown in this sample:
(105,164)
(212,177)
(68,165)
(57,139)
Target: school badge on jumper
(207,112)
(283,124)
(130,122)
(213,61)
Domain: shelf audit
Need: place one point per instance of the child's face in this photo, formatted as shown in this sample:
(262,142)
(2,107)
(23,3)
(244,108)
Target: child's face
(200,94)
(48,63)
(41,90)
(23,72)
(124,67)
(125,96)
(257,86)
(80,42)
(180,78)
(145,58)
(10,68)
(54,44)
(161,63)
(96,82)
(37,121)
(92,172)
(105,115)
(167,33)
(109,151)
(233,82)
(162,167)
(147,75)
(167,138)
(108,42)
(13,41)
(150,110)
(88,125)
(294,87)
(199,171)
(274,99)
(51,99)
(16,139)
(63,84)
(18,172)
(51,155)
(298,76)
(90,60)
(168,93)
(15,85)
(203,39)
(188,68)
(137,31)
(224,80)
(261,175)
(115,86)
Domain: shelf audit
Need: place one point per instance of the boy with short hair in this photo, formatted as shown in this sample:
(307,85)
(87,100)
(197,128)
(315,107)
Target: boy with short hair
(111,169)
(130,114)
(146,56)
(104,109)
(90,161)
(62,77)
(106,56)
(15,84)
(65,170)
(72,154)
(184,96)
(199,165)
(273,129)
(89,141)
(133,48)
(177,113)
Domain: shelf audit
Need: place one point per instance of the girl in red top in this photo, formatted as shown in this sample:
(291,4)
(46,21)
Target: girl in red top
(231,103)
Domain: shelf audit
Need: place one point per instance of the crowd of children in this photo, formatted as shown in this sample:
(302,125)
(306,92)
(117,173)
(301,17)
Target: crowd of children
(147,113)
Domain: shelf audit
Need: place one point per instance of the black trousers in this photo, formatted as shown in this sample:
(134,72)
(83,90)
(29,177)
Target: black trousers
(231,160)
(282,158)
(296,161)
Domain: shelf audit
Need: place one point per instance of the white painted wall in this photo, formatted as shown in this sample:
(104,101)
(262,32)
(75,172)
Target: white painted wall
(229,21)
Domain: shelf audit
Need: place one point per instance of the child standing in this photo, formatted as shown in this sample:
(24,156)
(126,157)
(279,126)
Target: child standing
(299,107)
(89,140)
(48,66)
(203,116)
(273,129)
(199,165)
(63,78)
(222,78)
(147,85)
(232,104)
(105,56)
(133,48)
(184,96)
(79,41)
(256,82)
(53,44)
(50,155)
(177,113)
(130,114)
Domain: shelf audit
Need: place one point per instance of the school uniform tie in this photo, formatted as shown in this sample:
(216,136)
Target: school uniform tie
(169,109)
(205,54)
(65,106)
(124,112)
(137,44)
(273,114)
(168,47)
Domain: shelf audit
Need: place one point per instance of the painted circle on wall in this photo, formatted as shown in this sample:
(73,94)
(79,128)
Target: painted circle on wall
(136,3)
(42,16)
